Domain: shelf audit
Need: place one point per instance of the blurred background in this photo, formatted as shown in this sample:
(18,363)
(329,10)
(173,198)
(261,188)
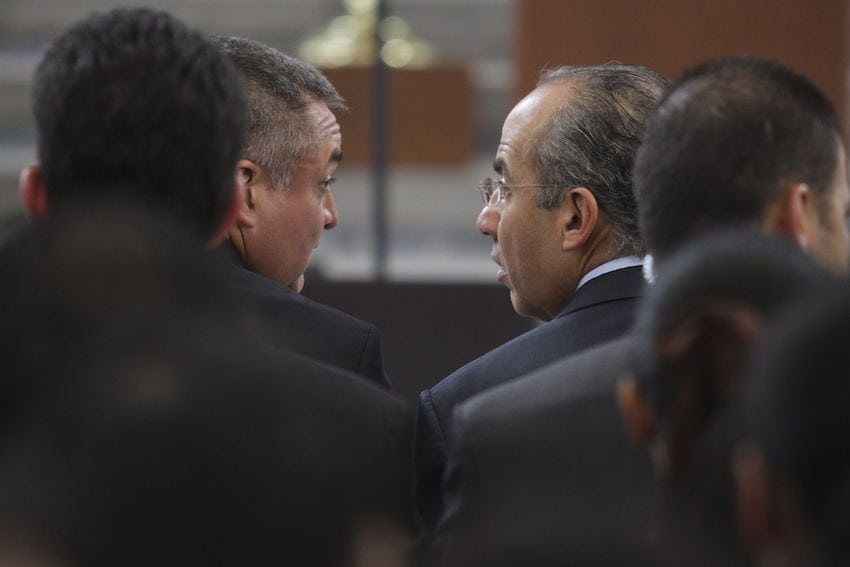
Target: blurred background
(406,254)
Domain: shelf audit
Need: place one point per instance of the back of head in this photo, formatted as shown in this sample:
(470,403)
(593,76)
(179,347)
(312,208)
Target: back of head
(184,449)
(700,322)
(795,414)
(722,273)
(279,88)
(139,426)
(591,141)
(724,142)
(81,285)
(133,103)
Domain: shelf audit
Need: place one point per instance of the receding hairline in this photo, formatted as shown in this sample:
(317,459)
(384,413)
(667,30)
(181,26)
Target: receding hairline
(564,89)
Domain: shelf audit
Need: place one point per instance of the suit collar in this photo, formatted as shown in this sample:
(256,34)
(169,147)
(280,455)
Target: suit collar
(626,283)
(610,266)
(228,253)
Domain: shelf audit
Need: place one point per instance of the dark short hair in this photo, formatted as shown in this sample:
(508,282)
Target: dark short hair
(279,89)
(795,412)
(725,140)
(591,140)
(134,104)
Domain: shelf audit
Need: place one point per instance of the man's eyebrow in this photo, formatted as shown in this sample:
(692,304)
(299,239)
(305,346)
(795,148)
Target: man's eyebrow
(499,165)
(336,157)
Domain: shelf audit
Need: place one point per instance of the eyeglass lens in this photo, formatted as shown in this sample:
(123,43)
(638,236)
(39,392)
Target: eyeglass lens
(491,192)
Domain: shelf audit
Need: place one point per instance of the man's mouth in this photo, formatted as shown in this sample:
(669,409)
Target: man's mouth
(502,274)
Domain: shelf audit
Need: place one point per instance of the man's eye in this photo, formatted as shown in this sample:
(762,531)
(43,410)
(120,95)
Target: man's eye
(326,184)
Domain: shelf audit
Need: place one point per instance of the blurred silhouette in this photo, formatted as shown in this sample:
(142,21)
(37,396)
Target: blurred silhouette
(697,329)
(793,464)
(142,427)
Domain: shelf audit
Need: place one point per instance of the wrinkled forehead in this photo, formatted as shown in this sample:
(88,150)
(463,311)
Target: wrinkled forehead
(324,123)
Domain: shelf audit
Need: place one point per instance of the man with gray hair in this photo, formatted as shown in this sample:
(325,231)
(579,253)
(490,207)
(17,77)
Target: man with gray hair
(563,221)
(736,142)
(293,147)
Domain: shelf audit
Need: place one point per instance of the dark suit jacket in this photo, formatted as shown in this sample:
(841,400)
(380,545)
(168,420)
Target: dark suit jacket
(353,436)
(600,310)
(551,440)
(257,457)
(292,322)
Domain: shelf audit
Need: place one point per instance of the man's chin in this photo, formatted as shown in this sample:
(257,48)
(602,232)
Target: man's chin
(298,284)
(523,309)
(518,305)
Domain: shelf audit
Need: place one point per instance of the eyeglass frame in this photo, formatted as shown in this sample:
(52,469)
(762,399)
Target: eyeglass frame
(496,187)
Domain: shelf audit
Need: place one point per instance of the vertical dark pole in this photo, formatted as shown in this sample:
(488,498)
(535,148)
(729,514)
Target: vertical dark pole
(380,148)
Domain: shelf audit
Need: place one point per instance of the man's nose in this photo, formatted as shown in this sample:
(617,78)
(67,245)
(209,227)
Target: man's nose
(488,221)
(331,215)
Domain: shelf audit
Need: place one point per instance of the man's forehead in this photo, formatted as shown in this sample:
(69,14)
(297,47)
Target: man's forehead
(544,100)
(324,121)
(530,115)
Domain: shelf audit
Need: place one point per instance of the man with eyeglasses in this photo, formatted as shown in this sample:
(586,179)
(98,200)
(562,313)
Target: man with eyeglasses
(563,222)
(737,142)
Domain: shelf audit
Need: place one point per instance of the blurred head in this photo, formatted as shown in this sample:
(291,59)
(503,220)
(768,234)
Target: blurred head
(744,142)
(178,450)
(134,105)
(139,426)
(287,163)
(793,463)
(563,169)
(699,324)
(84,283)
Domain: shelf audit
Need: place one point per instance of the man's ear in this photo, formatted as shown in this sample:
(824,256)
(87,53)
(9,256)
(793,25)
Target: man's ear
(791,215)
(581,215)
(249,177)
(635,410)
(33,192)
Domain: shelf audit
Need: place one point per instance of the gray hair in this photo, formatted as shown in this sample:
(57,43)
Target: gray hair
(591,141)
(279,89)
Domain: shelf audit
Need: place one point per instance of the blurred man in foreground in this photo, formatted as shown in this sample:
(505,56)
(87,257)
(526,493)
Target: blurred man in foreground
(138,112)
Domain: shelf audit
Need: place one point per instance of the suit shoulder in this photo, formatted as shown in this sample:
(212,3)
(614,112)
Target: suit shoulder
(271,293)
(334,389)
(489,368)
(552,387)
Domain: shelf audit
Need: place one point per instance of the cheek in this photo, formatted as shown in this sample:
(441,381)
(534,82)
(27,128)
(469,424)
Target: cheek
(519,257)
(507,237)
(510,226)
